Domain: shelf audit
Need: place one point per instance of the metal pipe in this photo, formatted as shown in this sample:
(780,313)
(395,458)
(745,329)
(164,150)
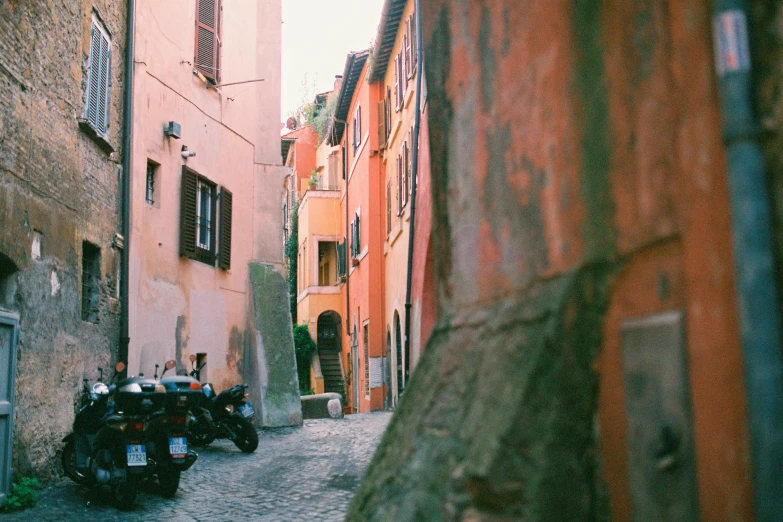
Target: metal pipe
(753,256)
(126,186)
(414,173)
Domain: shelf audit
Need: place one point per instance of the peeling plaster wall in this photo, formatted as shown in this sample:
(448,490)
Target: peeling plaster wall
(578,180)
(56,180)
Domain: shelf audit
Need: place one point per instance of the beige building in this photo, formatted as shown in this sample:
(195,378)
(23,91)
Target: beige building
(206,153)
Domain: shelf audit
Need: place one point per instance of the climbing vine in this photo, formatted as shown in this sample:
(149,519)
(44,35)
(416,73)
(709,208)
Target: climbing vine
(292,257)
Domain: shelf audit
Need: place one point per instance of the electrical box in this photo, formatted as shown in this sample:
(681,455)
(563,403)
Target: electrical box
(172,130)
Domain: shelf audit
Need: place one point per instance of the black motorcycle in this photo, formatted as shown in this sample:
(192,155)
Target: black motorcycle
(166,432)
(110,443)
(94,407)
(224,416)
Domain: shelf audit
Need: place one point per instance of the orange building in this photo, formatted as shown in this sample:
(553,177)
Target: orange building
(406,285)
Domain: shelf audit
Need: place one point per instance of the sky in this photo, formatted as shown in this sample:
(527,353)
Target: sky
(317,36)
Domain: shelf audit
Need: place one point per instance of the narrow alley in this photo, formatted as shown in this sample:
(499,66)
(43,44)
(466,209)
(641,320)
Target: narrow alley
(307,474)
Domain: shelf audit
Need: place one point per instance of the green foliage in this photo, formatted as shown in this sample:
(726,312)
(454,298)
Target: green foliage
(322,116)
(304,347)
(23,494)
(292,257)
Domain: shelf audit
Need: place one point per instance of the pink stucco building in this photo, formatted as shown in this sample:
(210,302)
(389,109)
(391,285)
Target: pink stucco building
(206,154)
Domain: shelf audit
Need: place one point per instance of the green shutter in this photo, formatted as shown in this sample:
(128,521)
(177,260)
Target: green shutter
(187,214)
(224,251)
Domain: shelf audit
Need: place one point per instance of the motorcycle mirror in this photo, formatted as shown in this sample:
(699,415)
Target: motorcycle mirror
(155,375)
(170,364)
(119,367)
(100,374)
(192,358)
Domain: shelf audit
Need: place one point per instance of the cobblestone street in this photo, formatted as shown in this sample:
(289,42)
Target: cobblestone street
(307,474)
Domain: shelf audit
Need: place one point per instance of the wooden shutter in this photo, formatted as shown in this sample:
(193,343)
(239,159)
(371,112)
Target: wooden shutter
(207,37)
(396,83)
(388,208)
(358,125)
(414,43)
(358,235)
(187,214)
(399,185)
(341,265)
(388,114)
(224,249)
(381,124)
(407,48)
(99,80)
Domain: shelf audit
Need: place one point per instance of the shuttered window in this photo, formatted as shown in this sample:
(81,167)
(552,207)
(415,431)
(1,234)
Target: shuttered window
(381,124)
(207,56)
(342,267)
(96,111)
(200,227)
(400,185)
(224,250)
(406,49)
(414,43)
(388,208)
(388,114)
(398,81)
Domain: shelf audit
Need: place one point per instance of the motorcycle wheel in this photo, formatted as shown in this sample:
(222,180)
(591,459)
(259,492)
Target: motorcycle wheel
(169,482)
(246,435)
(125,493)
(68,460)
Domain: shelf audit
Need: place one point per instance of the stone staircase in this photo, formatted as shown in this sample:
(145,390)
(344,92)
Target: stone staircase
(332,372)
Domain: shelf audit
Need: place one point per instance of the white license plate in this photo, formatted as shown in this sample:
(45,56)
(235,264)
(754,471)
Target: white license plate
(247,410)
(137,455)
(178,446)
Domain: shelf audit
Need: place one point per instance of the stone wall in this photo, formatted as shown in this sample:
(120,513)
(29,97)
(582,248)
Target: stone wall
(59,183)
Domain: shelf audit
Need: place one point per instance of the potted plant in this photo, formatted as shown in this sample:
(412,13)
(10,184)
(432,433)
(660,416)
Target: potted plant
(313,180)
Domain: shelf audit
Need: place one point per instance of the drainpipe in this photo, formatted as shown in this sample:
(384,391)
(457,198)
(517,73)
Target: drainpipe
(414,172)
(753,256)
(126,185)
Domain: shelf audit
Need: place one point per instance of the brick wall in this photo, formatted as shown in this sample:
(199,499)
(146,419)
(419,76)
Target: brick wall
(56,180)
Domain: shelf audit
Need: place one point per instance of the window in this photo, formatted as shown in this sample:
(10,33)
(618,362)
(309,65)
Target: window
(406,51)
(366,328)
(413,42)
(357,128)
(91,281)
(205,220)
(207,46)
(356,241)
(152,169)
(98,99)
(388,114)
(341,264)
(388,208)
(382,124)
(398,94)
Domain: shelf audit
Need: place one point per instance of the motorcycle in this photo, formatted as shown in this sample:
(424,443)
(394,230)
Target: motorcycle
(224,416)
(167,430)
(94,406)
(110,447)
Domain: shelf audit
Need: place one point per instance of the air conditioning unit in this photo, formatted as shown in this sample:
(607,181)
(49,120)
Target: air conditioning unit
(172,130)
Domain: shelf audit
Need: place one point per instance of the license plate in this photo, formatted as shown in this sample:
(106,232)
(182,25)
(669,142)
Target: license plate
(178,446)
(137,455)
(247,410)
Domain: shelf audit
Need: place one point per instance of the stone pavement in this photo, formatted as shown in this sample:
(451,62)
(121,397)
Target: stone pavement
(296,474)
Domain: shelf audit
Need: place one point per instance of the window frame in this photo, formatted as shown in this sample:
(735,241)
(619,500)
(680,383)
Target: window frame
(96,112)
(214,75)
(149,184)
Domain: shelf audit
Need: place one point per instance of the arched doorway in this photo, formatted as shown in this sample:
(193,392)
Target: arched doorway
(398,351)
(329,343)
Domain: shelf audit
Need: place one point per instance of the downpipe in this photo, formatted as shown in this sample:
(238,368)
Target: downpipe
(758,305)
(126,187)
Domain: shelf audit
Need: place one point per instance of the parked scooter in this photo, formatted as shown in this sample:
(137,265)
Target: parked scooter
(116,455)
(224,416)
(167,442)
(94,406)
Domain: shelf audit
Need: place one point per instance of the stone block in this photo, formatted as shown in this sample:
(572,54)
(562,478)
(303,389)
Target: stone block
(322,406)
